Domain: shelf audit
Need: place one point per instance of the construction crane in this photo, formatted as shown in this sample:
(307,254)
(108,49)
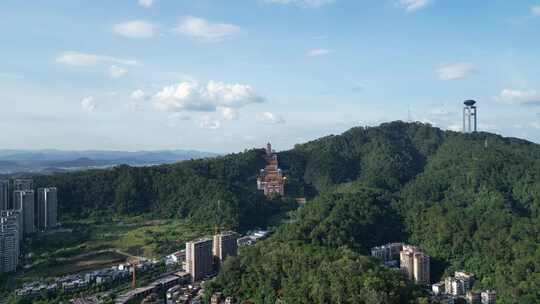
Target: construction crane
(134,261)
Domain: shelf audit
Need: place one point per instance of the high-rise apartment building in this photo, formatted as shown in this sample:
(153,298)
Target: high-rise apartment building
(9,245)
(406,263)
(47,205)
(199,258)
(224,245)
(14,218)
(4,194)
(23,184)
(23,200)
(421,263)
(415,264)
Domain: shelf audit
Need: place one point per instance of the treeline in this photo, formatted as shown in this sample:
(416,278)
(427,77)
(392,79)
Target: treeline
(472,201)
(213,191)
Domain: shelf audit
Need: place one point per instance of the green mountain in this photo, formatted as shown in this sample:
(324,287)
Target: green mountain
(472,201)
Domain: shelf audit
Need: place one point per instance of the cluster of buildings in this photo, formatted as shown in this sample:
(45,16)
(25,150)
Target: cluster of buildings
(76,282)
(22,214)
(252,238)
(460,286)
(166,283)
(271,180)
(204,256)
(218,298)
(412,261)
(201,260)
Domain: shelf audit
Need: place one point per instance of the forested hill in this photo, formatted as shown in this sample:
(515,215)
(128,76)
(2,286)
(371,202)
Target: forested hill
(472,201)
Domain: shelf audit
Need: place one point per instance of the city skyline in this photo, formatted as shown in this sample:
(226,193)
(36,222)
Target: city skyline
(221,76)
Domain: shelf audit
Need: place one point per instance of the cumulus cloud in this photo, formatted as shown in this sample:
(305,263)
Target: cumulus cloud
(207,122)
(228,113)
(302,3)
(535,10)
(86,59)
(88,104)
(137,29)
(116,72)
(203,30)
(146,3)
(318,52)
(413,5)
(192,96)
(138,95)
(519,97)
(455,71)
(270,118)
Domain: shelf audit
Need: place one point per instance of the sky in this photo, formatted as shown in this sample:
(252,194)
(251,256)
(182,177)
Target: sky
(228,75)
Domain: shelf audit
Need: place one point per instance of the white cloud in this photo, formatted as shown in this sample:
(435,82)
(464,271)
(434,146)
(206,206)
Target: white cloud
(146,3)
(208,123)
(191,96)
(270,118)
(138,29)
(203,30)
(86,59)
(535,10)
(318,52)
(116,72)
(454,127)
(535,125)
(88,104)
(302,3)
(455,71)
(138,95)
(413,5)
(228,113)
(519,97)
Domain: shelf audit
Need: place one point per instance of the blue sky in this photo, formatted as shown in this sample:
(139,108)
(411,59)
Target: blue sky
(228,75)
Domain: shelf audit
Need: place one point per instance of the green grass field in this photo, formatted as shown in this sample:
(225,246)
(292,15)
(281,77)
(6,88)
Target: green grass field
(87,246)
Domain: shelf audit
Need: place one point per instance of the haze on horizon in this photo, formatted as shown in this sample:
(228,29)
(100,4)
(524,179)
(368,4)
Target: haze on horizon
(221,76)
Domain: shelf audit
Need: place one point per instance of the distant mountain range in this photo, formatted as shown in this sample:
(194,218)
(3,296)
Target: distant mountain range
(47,161)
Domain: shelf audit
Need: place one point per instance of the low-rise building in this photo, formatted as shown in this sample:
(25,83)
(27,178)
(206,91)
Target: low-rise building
(387,252)
(437,288)
(489,297)
(473,297)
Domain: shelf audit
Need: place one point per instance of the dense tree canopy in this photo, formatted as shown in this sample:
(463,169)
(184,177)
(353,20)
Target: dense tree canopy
(472,201)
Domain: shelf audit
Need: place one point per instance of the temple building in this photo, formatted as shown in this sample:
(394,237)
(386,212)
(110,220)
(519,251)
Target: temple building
(271,179)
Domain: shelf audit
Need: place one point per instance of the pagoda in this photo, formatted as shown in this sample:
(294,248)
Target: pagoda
(271,180)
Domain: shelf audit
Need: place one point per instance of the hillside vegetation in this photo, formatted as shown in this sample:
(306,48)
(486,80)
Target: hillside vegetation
(472,201)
